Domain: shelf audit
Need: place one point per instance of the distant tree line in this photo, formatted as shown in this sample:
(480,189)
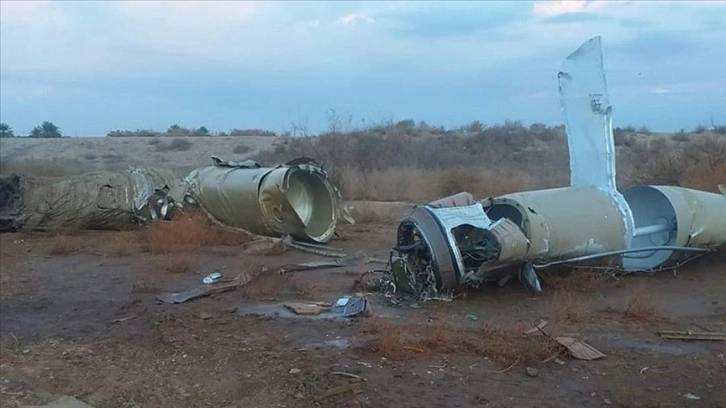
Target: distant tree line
(46,129)
(176,130)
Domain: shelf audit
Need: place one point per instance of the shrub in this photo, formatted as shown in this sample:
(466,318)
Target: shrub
(122,244)
(6,131)
(622,138)
(66,245)
(700,129)
(178,144)
(46,129)
(133,133)
(175,263)
(642,307)
(681,137)
(644,130)
(241,149)
(188,232)
(249,132)
(506,345)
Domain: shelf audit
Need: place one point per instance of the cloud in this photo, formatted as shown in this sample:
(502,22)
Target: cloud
(48,38)
(554,8)
(399,57)
(574,17)
(22,12)
(186,28)
(355,18)
(660,45)
(660,91)
(451,19)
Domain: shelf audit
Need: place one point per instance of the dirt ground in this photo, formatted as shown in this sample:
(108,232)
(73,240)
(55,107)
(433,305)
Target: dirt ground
(79,317)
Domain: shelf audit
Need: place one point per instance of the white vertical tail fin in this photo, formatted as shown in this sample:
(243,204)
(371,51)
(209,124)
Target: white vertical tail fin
(588,120)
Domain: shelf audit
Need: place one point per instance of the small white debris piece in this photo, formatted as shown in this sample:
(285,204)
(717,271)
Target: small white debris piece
(342,301)
(212,277)
(690,396)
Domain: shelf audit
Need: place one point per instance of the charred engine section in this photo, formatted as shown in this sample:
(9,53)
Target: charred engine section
(423,264)
(439,250)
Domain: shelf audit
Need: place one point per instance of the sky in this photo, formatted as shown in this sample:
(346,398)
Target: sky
(95,66)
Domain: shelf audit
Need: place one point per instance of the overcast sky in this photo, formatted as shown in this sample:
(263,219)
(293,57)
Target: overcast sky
(96,66)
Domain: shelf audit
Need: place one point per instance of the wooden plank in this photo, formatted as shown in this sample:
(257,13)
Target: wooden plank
(579,349)
(692,335)
(537,328)
(305,309)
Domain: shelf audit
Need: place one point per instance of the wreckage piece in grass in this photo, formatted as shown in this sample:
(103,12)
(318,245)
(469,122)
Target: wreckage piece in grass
(294,199)
(458,242)
(96,200)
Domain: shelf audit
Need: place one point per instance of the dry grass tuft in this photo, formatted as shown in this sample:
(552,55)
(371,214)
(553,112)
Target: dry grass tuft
(175,263)
(424,185)
(507,346)
(642,307)
(480,182)
(566,307)
(577,280)
(393,341)
(66,245)
(190,231)
(706,178)
(122,244)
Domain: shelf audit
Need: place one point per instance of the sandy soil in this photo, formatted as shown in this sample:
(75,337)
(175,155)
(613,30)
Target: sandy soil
(87,324)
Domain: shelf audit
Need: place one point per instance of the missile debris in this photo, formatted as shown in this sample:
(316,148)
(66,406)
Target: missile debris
(454,243)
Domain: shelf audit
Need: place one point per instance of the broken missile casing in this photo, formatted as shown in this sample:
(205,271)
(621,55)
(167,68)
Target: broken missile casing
(673,216)
(563,222)
(297,200)
(96,200)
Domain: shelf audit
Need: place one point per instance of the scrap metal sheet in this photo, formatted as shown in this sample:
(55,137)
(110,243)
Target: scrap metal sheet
(588,117)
